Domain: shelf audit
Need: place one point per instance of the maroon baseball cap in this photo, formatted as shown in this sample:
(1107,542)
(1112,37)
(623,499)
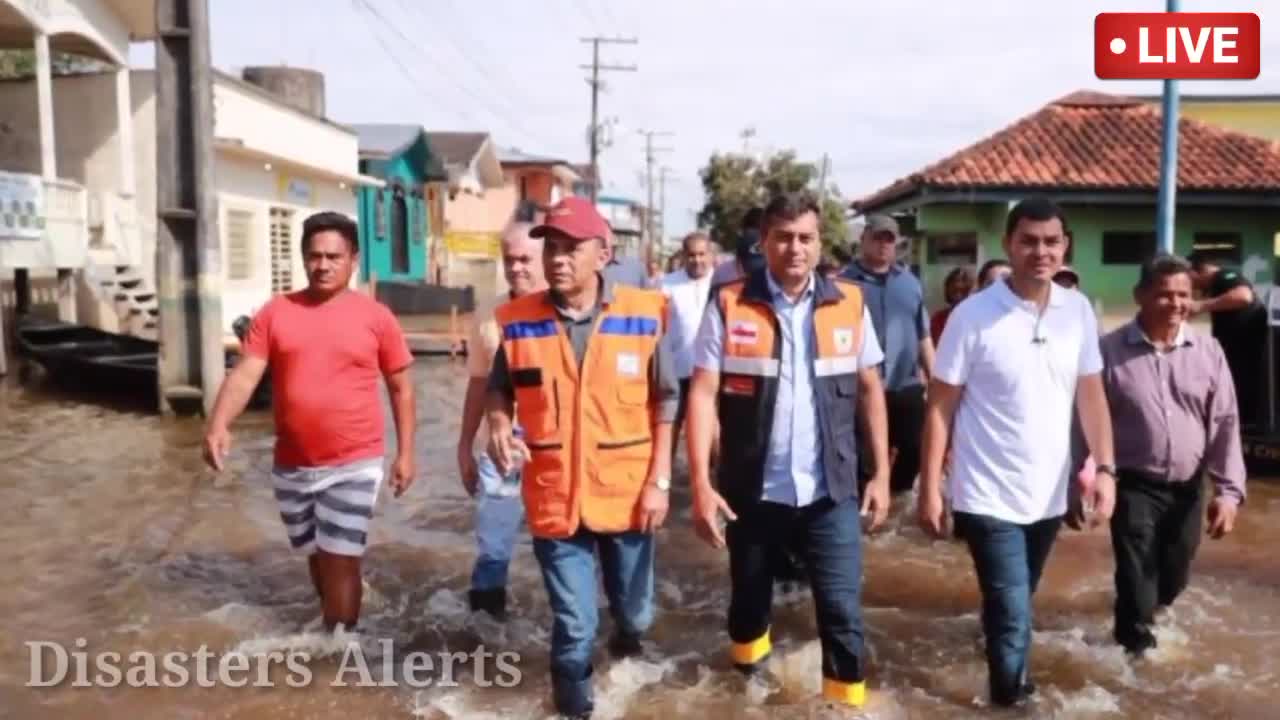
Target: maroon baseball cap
(576,217)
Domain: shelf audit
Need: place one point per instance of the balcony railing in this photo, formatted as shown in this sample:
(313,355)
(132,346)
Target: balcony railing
(43,223)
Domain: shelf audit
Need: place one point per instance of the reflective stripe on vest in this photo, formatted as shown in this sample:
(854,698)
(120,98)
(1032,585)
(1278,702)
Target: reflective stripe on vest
(750,369)
(588,429)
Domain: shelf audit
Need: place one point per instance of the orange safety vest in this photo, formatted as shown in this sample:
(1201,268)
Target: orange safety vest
(752,356)
(588,429)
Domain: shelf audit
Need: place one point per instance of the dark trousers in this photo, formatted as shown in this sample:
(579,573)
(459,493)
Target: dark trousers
(1245,360)
(905,410)
(1008,558)
(906,424)
(1155,532)
(828,537)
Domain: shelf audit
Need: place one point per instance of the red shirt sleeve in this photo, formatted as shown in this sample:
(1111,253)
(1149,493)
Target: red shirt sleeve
(393,351)
(257,342)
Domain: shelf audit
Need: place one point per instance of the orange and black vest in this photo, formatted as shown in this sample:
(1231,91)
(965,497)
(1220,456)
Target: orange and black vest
(588,429)
(752,357)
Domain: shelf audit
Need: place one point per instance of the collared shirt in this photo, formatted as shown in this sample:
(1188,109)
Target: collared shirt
(1018,366)
(688,299)
(896,301)
(793,466)
(623,270)
(1175,410)
(664,386)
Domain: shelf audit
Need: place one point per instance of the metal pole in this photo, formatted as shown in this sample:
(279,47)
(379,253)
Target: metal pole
(188,253)
(1167,201)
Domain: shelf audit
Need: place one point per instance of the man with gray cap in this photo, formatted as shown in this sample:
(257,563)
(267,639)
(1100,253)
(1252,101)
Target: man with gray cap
(896,301)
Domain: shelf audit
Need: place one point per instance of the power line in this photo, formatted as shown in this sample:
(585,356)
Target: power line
(595,67)
(649,152)
(480,101)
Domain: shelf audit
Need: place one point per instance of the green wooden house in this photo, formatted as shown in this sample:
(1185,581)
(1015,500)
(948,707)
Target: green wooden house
(1098,156)
(395,227)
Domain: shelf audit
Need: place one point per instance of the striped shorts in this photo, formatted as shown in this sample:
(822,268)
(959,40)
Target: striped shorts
(328,507)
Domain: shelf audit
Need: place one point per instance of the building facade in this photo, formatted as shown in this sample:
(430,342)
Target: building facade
(1098,156)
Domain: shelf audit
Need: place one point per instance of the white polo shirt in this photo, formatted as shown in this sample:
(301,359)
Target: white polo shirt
(1011,441)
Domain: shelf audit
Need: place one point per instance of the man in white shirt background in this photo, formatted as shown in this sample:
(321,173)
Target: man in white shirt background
(1012,363)
(688,290)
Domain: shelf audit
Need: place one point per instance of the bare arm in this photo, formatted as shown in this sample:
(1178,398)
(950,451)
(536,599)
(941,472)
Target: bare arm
(473,408)
(701,420)
(938,415)
(237,388)
(400,387)
(1233,299)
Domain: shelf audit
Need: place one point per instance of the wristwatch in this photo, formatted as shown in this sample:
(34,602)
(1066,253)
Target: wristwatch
(662,482)
(1109,470)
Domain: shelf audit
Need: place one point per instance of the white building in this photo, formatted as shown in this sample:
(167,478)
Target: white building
(275,164)
(62,213)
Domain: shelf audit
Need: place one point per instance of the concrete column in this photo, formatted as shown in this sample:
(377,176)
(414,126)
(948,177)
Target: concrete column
(44,102)
(124,133)
(67,295)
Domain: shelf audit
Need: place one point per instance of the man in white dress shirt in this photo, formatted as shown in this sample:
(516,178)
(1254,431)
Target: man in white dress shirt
(688,290)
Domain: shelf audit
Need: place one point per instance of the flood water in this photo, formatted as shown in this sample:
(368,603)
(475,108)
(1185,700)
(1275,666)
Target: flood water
(111,531)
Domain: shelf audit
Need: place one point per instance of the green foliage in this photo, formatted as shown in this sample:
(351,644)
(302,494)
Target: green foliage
(21,64)
(734,183)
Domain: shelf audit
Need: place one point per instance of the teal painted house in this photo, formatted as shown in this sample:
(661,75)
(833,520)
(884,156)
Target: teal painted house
(1098,156)
(395,222)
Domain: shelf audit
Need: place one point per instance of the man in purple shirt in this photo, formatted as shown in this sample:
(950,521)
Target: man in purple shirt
(1169,387)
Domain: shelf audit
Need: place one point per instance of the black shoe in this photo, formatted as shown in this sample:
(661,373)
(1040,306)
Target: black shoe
(492,601)
(625,645)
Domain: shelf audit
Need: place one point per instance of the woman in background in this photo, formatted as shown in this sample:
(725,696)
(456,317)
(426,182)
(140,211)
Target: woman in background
(957,287)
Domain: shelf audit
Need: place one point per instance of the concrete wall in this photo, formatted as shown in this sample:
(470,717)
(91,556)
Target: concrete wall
(1107,284)
(243,114)
(84,117)
(245,185)
(1260,118)
(89,19)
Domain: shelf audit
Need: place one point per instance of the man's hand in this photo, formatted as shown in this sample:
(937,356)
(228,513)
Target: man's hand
(653,507)
(402,474)
(875,500)
(932,513)
(707,507)
(505,449)
(467,470)
(1100,500)
(217,443)
(1222,517)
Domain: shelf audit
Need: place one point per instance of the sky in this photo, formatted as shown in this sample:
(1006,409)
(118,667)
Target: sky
(882,88)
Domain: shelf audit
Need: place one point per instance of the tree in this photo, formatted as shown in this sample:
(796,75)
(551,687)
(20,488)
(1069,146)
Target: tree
(21,64)
(734,183)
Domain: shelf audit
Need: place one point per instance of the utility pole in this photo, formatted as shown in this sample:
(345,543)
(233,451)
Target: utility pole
(595,67)
(649,151)
(662,205)
(188,253)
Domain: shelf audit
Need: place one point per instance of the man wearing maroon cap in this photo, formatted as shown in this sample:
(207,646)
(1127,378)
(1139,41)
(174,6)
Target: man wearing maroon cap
(586,371)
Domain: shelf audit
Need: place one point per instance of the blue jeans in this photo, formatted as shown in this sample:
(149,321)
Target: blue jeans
(829,539)
(569,571)
(499,513)
(1009,559)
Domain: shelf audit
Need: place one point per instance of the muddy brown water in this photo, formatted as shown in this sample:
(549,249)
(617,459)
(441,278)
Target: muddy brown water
(113,538)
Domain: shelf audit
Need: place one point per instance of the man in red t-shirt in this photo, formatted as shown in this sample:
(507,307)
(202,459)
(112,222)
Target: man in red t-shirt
(327,346)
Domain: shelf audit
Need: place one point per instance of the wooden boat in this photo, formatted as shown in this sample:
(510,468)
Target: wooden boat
(86,358)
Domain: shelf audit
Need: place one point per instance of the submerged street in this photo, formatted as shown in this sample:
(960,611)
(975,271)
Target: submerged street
(113,531)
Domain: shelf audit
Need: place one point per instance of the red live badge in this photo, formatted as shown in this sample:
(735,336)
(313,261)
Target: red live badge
(1177,46)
